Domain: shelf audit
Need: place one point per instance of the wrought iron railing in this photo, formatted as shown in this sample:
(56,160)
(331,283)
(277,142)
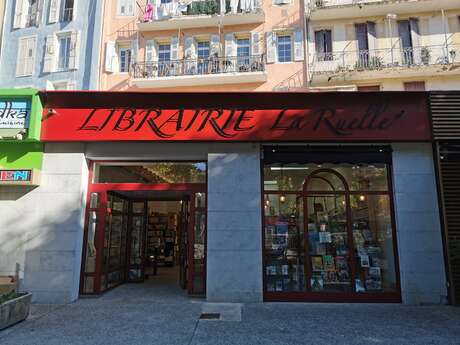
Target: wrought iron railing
(315,4)
(173,9)
(378,59)
(185,67)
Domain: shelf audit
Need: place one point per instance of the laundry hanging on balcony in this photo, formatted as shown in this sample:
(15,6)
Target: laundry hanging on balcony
(149,13)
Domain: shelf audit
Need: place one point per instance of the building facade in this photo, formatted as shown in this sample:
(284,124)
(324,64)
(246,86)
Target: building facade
(202,45)
(288,201)
(2,17)
(51,44)
(384,45)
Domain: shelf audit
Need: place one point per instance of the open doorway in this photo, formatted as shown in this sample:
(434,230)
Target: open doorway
(145,233)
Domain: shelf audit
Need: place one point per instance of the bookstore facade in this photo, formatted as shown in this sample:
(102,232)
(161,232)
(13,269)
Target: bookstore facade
(254,197)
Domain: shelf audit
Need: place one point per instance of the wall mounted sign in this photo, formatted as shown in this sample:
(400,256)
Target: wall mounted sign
(19,177)
(14,114)
(381,118)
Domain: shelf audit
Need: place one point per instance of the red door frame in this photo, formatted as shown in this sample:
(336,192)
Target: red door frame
(103,188)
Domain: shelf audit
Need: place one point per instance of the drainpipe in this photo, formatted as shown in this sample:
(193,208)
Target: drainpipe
(305,42)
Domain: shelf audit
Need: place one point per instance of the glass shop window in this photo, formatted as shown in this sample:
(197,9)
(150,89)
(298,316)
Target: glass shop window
(148,173)
(328,228)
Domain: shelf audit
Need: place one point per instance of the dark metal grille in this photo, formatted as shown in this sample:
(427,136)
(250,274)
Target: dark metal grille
(450,179)
(445,110)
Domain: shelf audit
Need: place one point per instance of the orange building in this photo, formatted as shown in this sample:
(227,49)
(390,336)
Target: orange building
(245,45)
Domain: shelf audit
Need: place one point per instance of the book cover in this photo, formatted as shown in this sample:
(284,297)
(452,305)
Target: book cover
(317,263)
(325,237)
(328,261)
(317,283)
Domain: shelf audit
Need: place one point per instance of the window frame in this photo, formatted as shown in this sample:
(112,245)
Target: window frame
(282,44)
(65,10)
(23,60)
(120,49)
(307,294)
(125,3)
(59,37)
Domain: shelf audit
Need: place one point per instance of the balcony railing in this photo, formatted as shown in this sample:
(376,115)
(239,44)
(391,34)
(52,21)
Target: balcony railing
(197,67)
(173,9)
(380,59)
(336,3)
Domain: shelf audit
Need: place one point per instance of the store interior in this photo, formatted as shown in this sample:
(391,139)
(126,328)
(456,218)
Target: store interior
(146,238)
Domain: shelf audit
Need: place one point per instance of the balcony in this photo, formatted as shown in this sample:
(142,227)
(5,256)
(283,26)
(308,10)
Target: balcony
(187,72)
(342,9)
(384,63)
(208,13)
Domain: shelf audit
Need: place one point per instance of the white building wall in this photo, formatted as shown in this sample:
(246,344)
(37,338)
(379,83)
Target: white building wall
(41,228)
(234,254)
(421,260)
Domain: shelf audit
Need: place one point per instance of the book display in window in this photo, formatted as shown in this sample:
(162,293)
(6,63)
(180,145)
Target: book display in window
(283,252)
(327,234)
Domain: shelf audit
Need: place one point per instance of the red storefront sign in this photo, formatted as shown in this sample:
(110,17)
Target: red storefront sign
(317,117)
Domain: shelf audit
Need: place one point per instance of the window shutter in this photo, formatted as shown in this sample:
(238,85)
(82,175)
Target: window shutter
(74,55)
(130,7)
(40,10)
(230,45)
(215,45)
(151,51)
(110,56)
(319,42)
(371,36)
(298,45)
(49,61)
(54,11)
(74,10)
(415,36)
(190,48)
(175,48)
(20,58)
(271,47)
(135,50)
(30,54)
(255,43)
(19,14)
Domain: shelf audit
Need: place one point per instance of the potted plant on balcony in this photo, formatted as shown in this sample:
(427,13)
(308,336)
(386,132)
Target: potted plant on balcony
(425,55)
(14,306)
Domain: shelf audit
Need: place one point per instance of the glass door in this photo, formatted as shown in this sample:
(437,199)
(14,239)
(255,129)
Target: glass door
(137,231)
(115,239)
(328,234)
(183,242)
(197,245)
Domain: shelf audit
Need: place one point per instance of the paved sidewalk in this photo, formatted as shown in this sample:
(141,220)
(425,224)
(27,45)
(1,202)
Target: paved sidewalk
(144,314)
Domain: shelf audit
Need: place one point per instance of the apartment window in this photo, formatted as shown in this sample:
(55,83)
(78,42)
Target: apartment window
(203,49)
(124,55)
(32,13)
(164,58)
(243,50)
(414,86)
(125,7)
(26,56)
(369,88)
(64,52)
(409,36)
(67,10)
(323,45)
(164,52)
(64,85)
(284,48)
